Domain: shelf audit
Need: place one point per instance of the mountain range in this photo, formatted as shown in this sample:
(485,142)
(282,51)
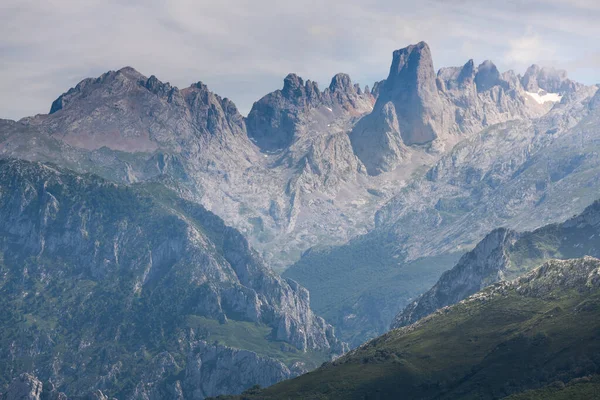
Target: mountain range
(158,244)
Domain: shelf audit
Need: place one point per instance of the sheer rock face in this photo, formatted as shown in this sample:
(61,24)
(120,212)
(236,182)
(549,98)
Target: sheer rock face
(282,117)
(411,88)
(204,377)
(210,370)
(416,106)
(487,76)
(408,111)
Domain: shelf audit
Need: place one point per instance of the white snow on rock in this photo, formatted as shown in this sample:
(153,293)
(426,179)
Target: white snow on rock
(542,96)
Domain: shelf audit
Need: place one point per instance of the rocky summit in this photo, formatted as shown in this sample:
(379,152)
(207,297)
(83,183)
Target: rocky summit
(417,106)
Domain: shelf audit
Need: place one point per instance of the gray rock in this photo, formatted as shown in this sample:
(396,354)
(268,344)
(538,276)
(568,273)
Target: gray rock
(477,269)
(144,262)
(416,107)
(548,79)
(407,109)
(503,255)
(280,118)
(487,76)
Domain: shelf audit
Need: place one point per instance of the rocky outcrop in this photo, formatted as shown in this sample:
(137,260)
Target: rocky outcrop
(504,254)
(209,370)
(213,368)
(416,106)
(408,111)
(274,119)
(138,267)
(411,90)
(547,79)
(283,116)
(580,274)
(477,269)
(126,111)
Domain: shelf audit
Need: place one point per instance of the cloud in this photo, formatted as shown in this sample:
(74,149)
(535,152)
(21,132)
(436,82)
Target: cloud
(243,49)
(529,49)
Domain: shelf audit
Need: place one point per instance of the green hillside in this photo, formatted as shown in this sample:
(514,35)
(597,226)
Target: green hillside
(509,338)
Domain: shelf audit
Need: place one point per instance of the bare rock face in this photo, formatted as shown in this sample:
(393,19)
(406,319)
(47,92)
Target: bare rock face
(408,111)
(487,76)
(126,111)
(416,106)
(411,88)
(548,79)
(281,117)
(204,377)
(24,387)
(273,120)
(150,264)
(383,150)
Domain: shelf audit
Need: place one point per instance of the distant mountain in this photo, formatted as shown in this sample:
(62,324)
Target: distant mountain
(521,174)
(505,254)
(129,128)
(417,107)
(538,331)
(299,170)
(135,292)
(280,118)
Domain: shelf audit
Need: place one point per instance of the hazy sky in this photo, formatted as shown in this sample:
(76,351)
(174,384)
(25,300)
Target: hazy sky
(244,49)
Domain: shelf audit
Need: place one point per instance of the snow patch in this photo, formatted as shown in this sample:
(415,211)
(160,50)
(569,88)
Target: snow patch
(542,97)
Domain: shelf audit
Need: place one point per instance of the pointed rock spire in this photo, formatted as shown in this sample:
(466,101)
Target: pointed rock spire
(409,93)
(467,73)
(411,87)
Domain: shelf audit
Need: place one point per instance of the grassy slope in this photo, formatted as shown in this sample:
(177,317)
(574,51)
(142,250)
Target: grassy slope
(475,350)
(586,388)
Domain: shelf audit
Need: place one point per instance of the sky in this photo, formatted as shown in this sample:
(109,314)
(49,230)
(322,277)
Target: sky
(243,49)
